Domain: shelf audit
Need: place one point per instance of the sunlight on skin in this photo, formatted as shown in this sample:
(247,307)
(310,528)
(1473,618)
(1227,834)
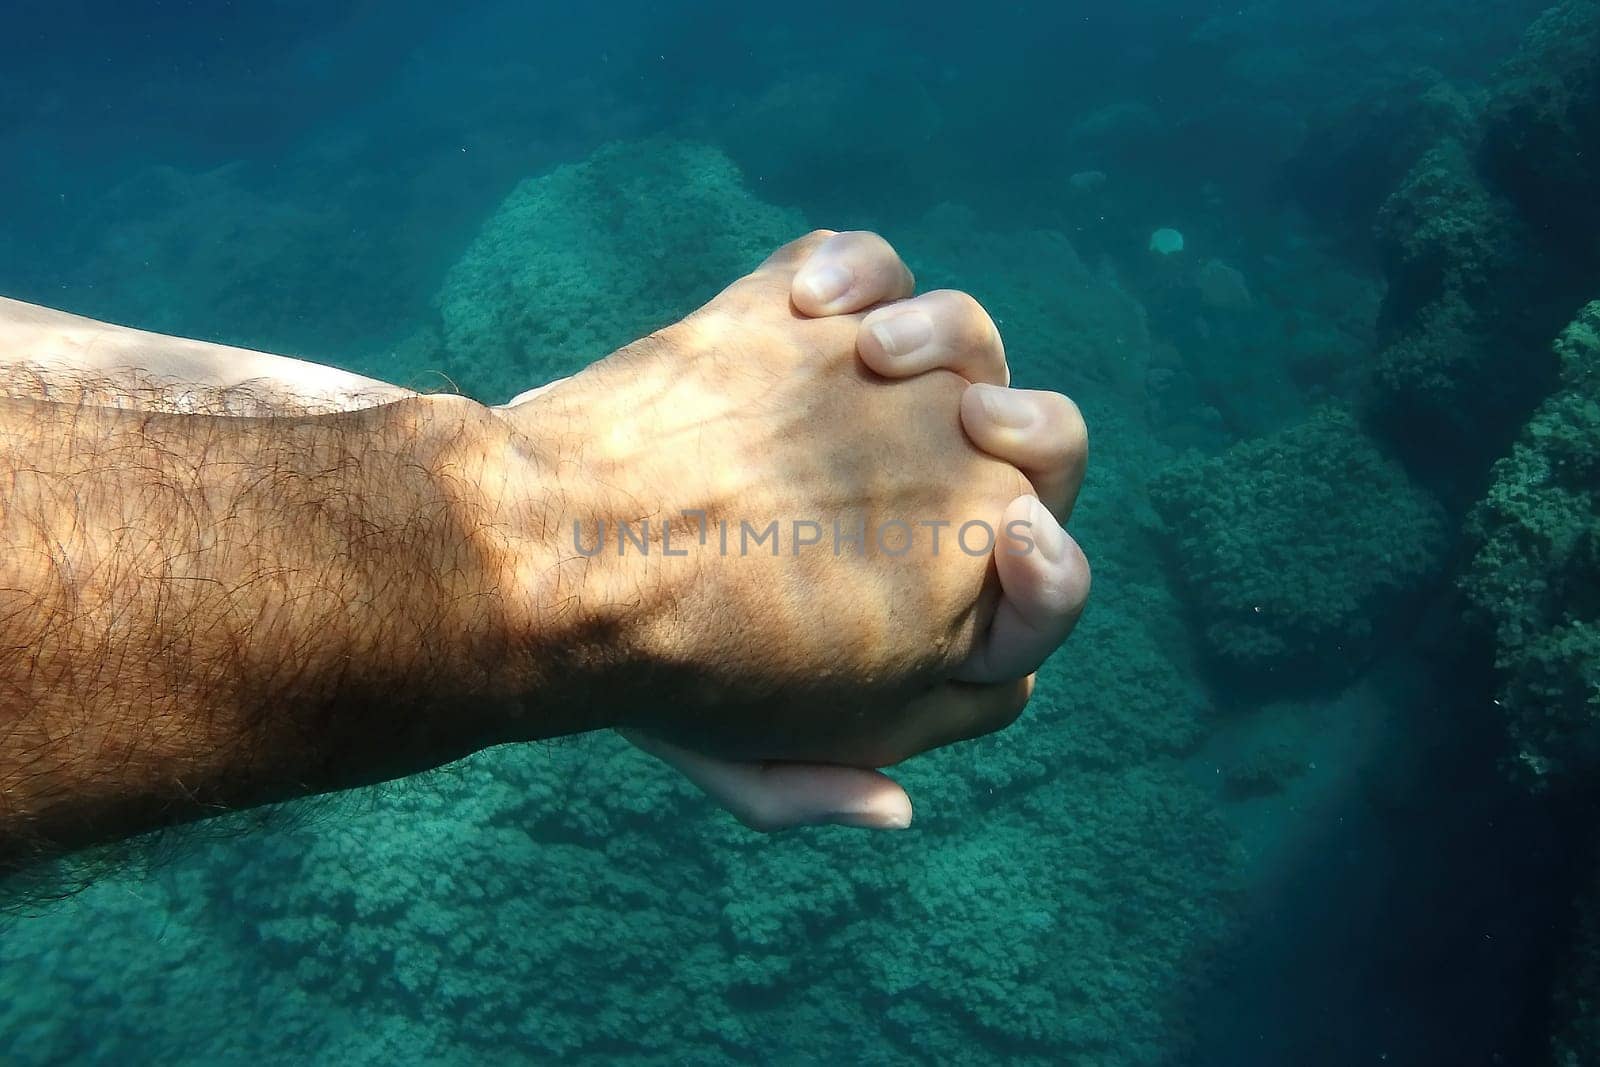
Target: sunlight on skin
(1040,433)
(48,340)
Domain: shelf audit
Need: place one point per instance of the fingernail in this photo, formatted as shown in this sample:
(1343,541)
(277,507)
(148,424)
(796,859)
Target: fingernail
(1005,407)
(1047,533)
(825,283)
(903,334)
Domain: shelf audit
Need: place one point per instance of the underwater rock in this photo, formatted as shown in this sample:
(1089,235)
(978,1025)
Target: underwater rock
(1057,893)
(1443,230)
(1490,244)
(1462,359)
(1542,143)
(1534,579)
(1223,287)
(1361,143)
(1295,549)
(1264,770)
(1166,241)
(1074,326)
(1087,181)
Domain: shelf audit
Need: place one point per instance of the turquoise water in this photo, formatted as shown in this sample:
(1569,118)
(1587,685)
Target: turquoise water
(1311,784)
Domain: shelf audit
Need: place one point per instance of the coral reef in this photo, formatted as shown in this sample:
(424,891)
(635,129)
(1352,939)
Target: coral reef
(1492,244)
(1489,244)
(1451,368)
(1223,287)
(614,932)
(1296,549)
(1535,574)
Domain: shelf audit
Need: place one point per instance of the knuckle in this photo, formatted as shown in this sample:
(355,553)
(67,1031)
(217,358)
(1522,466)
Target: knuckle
(1071,433)
(967,320)
(1021,694)
(872,240)
(1002,705)
(794,254)
(817,236)
(957,305)
(1066,587)
(1083,569)
(876,254)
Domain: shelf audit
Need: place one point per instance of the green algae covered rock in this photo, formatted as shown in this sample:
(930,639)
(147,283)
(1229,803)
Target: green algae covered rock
(1295,548)
(579,262)
(1488,245)
(1442,230)
(1457,369)
(1544,127)
(1535,577)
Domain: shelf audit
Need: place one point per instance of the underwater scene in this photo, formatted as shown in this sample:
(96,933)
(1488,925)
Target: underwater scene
(1312,782)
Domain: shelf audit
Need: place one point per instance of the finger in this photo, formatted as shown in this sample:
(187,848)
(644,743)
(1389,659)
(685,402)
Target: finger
(943,329)
(1040,433)
(955,711)
(1044,581)
(849,272)
(770,796)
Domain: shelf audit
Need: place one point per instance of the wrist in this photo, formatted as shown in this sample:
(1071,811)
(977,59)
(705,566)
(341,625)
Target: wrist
(555,632)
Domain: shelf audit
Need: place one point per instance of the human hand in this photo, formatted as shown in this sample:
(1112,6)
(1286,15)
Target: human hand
(1041,432)
(1042,597)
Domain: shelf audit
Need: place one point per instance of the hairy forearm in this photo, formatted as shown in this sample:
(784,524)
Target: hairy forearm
(200,612)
